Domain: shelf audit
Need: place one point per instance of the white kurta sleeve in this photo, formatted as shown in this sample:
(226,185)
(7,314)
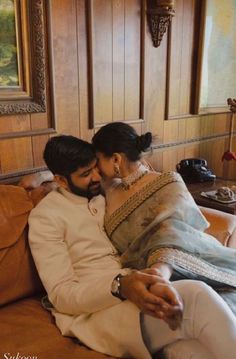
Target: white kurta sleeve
(66,292)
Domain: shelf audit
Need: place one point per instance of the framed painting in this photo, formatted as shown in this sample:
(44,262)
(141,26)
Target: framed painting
(217,56)
(22,56)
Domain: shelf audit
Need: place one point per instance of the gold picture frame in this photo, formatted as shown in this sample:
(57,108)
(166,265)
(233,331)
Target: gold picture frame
(27,92)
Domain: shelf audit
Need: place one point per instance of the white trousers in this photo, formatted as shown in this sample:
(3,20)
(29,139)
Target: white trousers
(208,330)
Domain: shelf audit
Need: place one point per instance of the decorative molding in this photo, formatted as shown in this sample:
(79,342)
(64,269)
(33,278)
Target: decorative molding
(38,58)
(33,100)
(41,132)
(159,15)
(190,141)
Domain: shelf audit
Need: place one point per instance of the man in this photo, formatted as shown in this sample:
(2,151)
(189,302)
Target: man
(82,274)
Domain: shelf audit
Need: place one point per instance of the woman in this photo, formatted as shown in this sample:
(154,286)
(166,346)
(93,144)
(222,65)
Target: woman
(152,219)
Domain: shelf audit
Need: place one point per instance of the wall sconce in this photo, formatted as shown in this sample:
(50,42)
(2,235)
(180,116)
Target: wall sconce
(159,15)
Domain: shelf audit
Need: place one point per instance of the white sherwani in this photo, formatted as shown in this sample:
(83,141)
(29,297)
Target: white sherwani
(77,263)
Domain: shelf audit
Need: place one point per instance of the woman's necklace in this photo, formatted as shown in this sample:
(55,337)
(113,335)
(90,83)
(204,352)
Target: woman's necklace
(132,178)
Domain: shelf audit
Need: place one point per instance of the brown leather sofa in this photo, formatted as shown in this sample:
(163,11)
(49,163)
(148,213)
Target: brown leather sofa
(26,329)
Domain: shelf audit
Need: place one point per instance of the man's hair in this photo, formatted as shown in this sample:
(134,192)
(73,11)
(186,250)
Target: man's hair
(65,154)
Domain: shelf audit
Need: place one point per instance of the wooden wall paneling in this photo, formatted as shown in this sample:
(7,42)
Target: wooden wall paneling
(181,49)
(38,121)
(170,159)
(198,35)
(132,59)
(118,60)
(182,128)
(180,156)
(15,155)
(38,145)
(171,131)
(44,120)
(154,94)
(14,123)
(186,63)
(175,60)
(101,12)
(212,151)
(193,128)
(221,123)
(65,65)
(207,125)
(192,151)
(156,160)
(217,150)
(84,67)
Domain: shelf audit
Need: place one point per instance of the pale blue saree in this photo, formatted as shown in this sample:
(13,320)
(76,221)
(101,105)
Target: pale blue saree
(162,223)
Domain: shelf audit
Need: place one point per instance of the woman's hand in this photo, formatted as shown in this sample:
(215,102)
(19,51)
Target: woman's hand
(164,304)
(163,269)
(173,312)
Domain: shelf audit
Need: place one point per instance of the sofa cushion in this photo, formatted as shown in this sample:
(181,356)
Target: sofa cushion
(222,225)
(15,205)
(28,329)
(18,276)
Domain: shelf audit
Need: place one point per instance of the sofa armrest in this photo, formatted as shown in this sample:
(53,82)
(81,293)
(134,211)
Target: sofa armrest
(222,226)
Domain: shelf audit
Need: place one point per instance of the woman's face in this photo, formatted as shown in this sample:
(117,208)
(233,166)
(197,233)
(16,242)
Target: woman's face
(105,165)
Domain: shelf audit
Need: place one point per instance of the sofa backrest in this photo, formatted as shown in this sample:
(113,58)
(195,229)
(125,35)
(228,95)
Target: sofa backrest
(18,275)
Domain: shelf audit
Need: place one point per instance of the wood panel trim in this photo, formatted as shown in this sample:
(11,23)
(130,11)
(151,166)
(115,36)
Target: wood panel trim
(10,135)
(142,61)
(200,115)
(199,28)
(89,29)
(168,62)
(90,65)
(50,73)
(192,140)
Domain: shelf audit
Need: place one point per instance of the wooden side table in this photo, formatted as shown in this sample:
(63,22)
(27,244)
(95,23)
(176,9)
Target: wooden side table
(196,188)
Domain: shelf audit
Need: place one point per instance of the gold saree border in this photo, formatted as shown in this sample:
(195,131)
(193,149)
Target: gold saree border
(112,222)
(193,264)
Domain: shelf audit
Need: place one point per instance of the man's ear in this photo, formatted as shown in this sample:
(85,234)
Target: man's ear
(61,181)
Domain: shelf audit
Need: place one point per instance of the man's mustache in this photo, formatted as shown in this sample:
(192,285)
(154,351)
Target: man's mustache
(94,184)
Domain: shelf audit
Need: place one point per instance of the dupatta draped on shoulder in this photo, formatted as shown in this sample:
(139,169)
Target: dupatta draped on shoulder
(162,222)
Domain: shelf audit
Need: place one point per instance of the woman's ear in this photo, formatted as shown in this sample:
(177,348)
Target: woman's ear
(61,181)
(117,158)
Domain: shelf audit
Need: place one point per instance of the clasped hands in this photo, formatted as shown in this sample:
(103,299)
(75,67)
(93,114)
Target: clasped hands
(154,295)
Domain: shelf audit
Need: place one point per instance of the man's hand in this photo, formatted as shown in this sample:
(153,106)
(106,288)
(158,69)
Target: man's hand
(164,304)
(172,314)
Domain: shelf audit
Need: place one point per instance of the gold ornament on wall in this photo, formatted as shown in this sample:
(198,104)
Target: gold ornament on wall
(159,16)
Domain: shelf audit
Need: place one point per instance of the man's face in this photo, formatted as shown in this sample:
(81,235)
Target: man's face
(85,181)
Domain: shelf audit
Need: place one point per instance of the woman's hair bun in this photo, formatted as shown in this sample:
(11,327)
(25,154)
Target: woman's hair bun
(143,142)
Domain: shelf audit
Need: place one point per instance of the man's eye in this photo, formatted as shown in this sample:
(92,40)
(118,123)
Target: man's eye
(84,175)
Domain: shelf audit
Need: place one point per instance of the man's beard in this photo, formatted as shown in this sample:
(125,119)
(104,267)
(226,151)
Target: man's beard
(88,193)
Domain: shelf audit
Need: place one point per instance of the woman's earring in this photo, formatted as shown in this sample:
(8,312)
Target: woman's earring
(117,170)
